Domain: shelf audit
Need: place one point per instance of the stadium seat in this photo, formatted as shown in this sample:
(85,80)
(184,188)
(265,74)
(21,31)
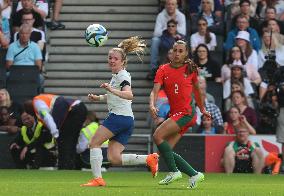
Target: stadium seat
(23,82)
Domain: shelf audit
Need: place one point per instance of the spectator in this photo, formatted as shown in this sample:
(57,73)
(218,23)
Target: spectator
(242,155)
(236,57)
(90,125)
(245,10)
(250,55)
(214,22)
(207,67)
(168,38)
(28,6)
(4,32)
(268,111)
(194,7)
(239,100)
(270,14)
(170,12)
(236,121)
(206,126)
(203,36)
(203,87)
(25,52)
(270,43)
(237,74)
(66,115)
(39,6)
(213,110)
(242,25)
(236,86)
(34,146)
(274,27)
(6,8)
(37,35)
(233,8)
(7,122)
(55,23)
(14,108)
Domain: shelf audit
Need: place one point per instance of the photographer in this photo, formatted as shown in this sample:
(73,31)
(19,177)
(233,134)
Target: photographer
(272,92)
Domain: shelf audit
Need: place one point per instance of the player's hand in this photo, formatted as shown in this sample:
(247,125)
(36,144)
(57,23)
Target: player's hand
(154,111)
(106,86)
(23,153)
(93,97)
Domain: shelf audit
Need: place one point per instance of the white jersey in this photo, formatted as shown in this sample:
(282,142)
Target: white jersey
(117,105)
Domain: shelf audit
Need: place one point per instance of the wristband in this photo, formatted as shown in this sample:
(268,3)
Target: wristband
(102,97)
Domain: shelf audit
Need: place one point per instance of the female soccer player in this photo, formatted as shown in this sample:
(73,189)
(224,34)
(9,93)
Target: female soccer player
(118,126)
(179,79)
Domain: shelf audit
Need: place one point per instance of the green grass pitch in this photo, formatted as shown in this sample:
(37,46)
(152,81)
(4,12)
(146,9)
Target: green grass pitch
(35,182)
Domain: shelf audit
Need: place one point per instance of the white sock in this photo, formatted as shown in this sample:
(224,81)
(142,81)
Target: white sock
(133,159)
(96,160)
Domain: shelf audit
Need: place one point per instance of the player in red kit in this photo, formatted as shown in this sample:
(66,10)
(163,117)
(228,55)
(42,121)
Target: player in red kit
(179,80)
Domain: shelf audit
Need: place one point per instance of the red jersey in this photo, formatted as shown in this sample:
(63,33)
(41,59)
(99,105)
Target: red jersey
(178,87)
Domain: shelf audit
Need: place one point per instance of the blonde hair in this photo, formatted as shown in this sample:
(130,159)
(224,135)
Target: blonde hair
(274,40)
(132,44)
(7,102)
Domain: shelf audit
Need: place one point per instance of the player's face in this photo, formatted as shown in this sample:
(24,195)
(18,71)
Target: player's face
(115,61)
(179,53)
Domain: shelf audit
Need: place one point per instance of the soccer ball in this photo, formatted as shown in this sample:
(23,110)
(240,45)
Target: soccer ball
(96,35)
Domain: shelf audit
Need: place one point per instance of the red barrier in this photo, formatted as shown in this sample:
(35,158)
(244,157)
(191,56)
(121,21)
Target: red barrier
(214,148)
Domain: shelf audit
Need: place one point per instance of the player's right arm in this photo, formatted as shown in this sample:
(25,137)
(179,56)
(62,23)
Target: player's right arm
(153,99)
(93,97)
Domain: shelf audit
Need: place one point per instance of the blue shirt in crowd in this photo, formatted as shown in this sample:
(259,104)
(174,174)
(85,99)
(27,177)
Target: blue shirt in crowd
(27,57)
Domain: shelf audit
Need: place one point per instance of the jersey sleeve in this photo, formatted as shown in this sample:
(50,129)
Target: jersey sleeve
(159,78)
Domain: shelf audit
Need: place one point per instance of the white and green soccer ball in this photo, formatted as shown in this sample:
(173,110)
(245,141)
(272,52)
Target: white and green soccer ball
(96,35)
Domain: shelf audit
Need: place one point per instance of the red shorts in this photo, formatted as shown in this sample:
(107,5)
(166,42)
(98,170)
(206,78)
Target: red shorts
(184,121)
